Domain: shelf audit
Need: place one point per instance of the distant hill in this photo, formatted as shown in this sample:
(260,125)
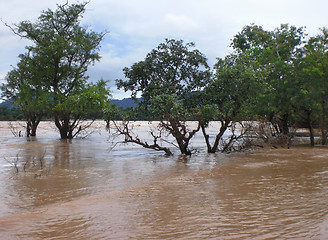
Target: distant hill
(123,103)
(6,104)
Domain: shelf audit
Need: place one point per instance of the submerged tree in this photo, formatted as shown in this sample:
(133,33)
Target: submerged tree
(314,84)
(23,88)
(65,50)
(276,52)
(230,96)
(165,81)
(69,113)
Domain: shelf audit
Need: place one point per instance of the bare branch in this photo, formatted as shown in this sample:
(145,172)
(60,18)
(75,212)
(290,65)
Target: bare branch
(13,29)
(124,130)
(13,163)
(238,141)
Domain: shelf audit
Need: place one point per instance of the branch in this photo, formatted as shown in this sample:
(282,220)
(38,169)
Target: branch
(13,163)
(13,29)
(82,128)
(129,138)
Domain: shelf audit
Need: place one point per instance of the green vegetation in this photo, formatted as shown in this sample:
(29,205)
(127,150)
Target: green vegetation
(231,95)
(166,80)
(277,77)
(10,114)
(274,77)
(51,76)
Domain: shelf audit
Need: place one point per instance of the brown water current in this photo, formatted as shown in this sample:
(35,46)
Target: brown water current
(90,189)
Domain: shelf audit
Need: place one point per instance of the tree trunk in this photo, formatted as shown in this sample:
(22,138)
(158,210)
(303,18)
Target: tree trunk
(63,127)
(323,137)
(323,123)
(207,141)
(33,131)
(223,128)
(183,146)
(67,127)
(107,125)
(309,123)
(34,126)
(283,125)
(311,135)
(179,131)
(63,134)
(214,148)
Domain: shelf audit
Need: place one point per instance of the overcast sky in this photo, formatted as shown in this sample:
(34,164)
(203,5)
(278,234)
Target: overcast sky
(138,26)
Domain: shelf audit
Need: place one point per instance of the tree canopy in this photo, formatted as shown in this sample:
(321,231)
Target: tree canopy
(61,53)
(166,80)
(277,76)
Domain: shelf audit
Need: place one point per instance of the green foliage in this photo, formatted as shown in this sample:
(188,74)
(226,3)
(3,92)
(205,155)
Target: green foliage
(277,53)
(91,98)
(166,80)
(64,48)
(274,76)
(10,113)
(23,86)
(235,87)
(112,112)
(314,82)
(231,94)
(56,66)
(171,68)
(168,106)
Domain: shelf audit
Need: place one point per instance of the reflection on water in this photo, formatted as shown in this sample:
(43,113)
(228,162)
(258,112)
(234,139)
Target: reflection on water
(89,191)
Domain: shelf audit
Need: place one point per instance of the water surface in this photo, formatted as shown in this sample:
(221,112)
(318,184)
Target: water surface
(89,189)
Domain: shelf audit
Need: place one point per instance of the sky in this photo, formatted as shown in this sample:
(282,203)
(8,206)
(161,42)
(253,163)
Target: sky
(135,27)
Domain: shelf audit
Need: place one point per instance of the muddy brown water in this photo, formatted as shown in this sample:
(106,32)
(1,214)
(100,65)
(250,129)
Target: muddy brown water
(89,189)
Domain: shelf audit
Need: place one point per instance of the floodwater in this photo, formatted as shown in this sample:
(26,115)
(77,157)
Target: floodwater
(91,189)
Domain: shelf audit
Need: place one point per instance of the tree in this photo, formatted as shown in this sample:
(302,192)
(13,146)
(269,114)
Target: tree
(276,52)
(173,114)
(64,51)
(111,112)
(304,101)
(166,81)
(91,98)
(315,77)
(230,96)
(24,89)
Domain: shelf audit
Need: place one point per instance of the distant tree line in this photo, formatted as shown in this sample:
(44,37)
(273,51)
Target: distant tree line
(277,78)
(10,114)
(14,113)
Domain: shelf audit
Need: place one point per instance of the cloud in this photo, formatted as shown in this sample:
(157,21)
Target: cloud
(136,27)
